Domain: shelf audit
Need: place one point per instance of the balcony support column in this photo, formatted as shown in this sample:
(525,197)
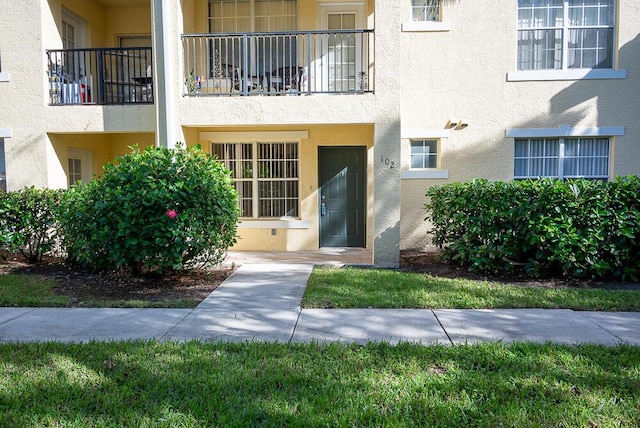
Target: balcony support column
(163,73)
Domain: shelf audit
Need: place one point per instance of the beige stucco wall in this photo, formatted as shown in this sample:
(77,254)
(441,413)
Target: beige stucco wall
(462,74)
(36,152)
(126,21)
(102,147)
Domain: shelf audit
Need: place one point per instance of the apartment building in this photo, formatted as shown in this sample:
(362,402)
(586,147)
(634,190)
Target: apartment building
(334,116)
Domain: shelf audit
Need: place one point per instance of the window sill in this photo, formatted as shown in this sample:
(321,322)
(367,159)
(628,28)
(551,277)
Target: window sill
(274,224)
(5,132)
(425,26)
(581,74)
(422,174)
(4,76)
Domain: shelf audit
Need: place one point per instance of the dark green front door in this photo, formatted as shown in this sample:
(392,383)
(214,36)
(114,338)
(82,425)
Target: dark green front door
(342,196)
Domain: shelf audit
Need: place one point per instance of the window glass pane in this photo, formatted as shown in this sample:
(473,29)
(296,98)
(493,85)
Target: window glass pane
(539,49)
(552,147)
(349,21)
(521,148)
(425,10)
(521,168)
(536,158)
(334,21)
(586,157)
(590,48)
(424,154)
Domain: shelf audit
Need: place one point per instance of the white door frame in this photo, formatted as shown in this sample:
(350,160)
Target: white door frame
(321,69)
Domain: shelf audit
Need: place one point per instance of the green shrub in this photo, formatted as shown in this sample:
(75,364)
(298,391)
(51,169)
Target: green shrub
(155,210)
(576,228)
(27,221)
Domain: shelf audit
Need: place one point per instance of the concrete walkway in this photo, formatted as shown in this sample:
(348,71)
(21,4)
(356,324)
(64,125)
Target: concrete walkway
(262,302)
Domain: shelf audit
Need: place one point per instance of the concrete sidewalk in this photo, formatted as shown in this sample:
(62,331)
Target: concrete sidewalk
(262,302)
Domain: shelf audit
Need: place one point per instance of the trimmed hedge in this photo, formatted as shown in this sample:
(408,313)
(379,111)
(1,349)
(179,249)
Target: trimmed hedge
(28,221)
(153,210)
(578,228)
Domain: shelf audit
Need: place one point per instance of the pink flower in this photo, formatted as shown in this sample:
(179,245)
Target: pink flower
(172,213)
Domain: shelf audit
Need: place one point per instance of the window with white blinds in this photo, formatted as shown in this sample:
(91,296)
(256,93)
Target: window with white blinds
(266,176)
(576,157)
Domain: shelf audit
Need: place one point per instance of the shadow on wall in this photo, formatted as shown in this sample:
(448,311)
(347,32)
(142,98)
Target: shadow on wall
(616,101)
(29,153)
(387,194)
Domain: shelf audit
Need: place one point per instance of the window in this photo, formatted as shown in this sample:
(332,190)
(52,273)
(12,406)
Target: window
(565,34)
(264,54)
(424,154)
(425,10)
(583,157)
(266,176)
(78,164)
(72,38)
(229,16)
(3,167)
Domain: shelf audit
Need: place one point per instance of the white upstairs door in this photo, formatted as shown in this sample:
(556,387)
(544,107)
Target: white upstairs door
(340,66)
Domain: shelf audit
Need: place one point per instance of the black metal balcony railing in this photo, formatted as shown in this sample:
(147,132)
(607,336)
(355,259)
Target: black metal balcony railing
(292,63)
(100,76)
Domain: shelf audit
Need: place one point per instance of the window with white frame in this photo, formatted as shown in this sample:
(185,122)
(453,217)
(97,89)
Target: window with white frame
(3,167)
(566,34)
(424,154)
(78,166)
(425,10)
(266,176)
(230,16)
(575,157)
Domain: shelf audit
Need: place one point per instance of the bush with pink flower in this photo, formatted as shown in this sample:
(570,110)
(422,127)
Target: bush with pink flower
(152,210)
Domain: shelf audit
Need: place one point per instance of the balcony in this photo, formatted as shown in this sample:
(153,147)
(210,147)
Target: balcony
(102,76)
(282,63)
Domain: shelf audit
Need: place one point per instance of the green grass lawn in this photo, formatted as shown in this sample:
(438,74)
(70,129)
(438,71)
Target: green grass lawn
(139,384)
(377,288)
(28,291)
(37,291)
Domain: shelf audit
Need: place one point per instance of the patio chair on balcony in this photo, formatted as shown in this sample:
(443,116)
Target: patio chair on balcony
(235,79)
(287,79)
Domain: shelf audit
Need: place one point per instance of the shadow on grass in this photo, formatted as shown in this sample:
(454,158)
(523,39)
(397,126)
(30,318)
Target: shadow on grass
(194,384)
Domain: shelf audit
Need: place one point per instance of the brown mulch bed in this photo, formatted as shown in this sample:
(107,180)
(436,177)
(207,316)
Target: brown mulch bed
(82,285)
(428,261)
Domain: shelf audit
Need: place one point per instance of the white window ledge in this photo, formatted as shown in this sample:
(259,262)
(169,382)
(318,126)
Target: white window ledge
(426,26)
(422,174)
(581,74)
(566,131)
(4,76)
(5,132)
(274,224)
